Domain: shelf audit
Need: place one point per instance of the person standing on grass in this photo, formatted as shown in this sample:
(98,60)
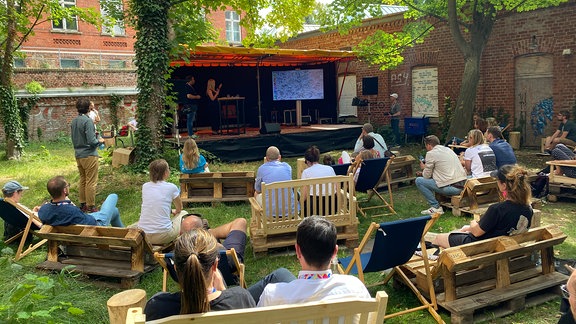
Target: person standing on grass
(60,211)
(157,198)
(85,144)
(395,113)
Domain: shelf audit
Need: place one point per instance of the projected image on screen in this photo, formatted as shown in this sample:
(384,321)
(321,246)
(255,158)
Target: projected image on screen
(298,84)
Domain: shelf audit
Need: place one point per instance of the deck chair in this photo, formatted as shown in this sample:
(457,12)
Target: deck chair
(371,174)
(20,217)
(232,277)
(394,245)
(341,169)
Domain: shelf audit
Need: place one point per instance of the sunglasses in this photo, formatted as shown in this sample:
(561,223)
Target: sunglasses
(565,292)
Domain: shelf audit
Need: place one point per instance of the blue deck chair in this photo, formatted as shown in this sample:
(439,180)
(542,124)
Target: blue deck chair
(372,172)
(232,277)
(341,169)
(394,245)
(22,218)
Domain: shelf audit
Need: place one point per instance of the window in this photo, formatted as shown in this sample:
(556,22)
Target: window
(66,24)
(69,63)
(232,27)
(118,28)
(117,64)
(19,63)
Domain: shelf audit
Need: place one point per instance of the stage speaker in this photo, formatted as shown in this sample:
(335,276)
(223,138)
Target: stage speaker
(270,128)
(369,86)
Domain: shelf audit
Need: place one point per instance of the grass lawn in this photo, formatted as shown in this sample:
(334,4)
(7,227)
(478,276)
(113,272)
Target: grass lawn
(39,297)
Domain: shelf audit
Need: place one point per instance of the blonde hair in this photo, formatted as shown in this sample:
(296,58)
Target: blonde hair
(195,252)
(475,137)
(515,178)
(211,85)
(491,121)
(190,154)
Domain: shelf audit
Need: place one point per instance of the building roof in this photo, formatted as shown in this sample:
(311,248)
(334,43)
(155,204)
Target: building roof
(242,56)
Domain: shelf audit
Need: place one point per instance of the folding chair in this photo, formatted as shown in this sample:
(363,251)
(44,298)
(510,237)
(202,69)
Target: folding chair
(20,217)
(394,245)
(341,169)
(371,173)
(232,277)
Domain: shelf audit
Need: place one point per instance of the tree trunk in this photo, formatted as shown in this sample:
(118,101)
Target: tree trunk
(462,119)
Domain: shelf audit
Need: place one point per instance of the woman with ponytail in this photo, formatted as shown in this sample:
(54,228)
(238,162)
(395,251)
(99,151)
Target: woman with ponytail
(202,288)
(510,217)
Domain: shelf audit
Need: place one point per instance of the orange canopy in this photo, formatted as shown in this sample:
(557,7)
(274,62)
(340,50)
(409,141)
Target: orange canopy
(242,56)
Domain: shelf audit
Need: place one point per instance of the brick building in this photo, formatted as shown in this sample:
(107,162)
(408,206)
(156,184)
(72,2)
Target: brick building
(529,62)
(73,59)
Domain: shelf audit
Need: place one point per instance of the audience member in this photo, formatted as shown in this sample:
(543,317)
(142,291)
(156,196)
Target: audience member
(510,217)
(479,159)
(569,293)
(369,146)
(379,143)
(315,248)
(357,165)
(202,288)
(191,161)
(85,144)
(502,149)
(60,211)
(563,154)
(13,191)
(565,134)
(273,170)
(327,159)
(93,113)
(441,173)
(157,198)
(316,192)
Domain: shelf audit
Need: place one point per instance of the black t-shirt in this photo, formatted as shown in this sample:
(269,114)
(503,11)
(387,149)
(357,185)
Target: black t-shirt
(191,90)
(165,304)
(505,218)
(569,127)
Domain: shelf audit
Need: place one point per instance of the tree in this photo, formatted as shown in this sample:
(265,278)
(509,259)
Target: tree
(20,17)
(470,24)
(163,27)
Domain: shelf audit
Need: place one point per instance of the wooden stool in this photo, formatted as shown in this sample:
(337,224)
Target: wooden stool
(119,304)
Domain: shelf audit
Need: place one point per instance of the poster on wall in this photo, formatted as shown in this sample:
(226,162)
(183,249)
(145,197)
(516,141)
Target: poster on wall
(425,92)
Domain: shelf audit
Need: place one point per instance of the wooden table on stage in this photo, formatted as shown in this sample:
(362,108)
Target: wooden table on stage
(231,108)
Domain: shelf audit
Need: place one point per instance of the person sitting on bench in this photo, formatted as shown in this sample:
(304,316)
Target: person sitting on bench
(14,191)
(60,211)
(202,289)
(563,154)
(510,217)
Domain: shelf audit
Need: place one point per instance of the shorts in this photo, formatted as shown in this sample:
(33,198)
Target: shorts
(455,239)
(237,240)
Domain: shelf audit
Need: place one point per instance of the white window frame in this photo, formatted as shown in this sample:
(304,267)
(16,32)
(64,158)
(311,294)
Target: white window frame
(66,22)
(233,30)
(117,30)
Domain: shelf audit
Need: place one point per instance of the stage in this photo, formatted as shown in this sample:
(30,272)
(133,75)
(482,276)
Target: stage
(292,141)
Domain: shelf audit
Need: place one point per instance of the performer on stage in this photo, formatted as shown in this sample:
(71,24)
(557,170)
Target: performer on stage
(212,92)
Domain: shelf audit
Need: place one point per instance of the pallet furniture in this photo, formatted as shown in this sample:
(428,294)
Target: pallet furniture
(345,311)
(23,218)
(494,277)
(216,186)
(477,193)
(401,171)
(560,185)
(121,253)
(270,231)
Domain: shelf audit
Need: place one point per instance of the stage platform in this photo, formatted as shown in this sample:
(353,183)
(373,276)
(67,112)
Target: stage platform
(292,141)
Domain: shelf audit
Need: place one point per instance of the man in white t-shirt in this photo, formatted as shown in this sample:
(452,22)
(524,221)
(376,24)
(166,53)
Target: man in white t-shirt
(379,143)
(315,248)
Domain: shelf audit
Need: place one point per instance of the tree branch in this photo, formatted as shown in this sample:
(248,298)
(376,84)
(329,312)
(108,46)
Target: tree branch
(428,13)
(34,24)
(455,28)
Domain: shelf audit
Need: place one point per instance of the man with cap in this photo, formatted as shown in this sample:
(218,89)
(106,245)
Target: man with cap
(395,112)
(13,191)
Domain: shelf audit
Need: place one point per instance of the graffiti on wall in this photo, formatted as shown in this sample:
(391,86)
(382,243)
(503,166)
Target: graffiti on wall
(542,112)
(399,78)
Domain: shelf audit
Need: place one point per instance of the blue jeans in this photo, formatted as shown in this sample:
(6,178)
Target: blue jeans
(395,123)
(428,187)
(108,213)
(190,117)
(278,275)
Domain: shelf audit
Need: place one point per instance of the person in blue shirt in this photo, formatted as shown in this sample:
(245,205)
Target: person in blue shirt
(273,170)
(502,149)
(60,211)
(191,161)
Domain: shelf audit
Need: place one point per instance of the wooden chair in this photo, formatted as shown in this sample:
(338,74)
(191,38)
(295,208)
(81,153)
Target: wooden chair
(371,174)
(345,311)
(20,217)
(231,276)
(394,245)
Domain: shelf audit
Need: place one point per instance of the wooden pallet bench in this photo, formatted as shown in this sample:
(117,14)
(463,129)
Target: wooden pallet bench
(560,185)
(216,186)
(344,310)
(477,192)
(401,172)
(121,253)
(268,231)
(494,277)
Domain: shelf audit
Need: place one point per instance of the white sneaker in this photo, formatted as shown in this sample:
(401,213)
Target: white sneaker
(432,210)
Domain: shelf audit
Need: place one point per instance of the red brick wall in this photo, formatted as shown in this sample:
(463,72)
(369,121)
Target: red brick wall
(510,39)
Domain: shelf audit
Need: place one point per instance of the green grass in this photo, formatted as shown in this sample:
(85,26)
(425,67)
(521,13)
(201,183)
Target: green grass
(43,161)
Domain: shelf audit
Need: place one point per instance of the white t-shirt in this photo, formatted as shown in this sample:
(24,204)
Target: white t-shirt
(92,114)
(313,286)
(157,206)
(483,160)
(318,170)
